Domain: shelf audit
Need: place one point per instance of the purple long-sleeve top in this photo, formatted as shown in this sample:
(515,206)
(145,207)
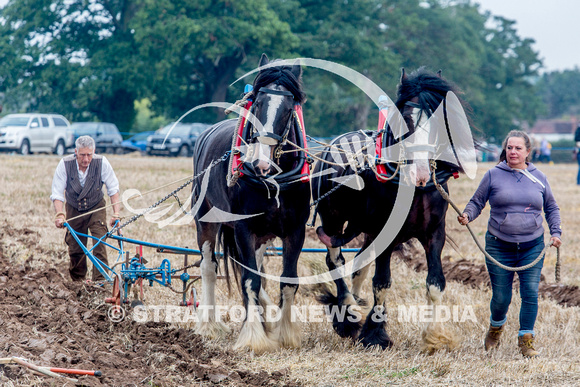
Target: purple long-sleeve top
(516,202)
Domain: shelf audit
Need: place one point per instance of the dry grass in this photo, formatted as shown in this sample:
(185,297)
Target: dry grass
(326,359)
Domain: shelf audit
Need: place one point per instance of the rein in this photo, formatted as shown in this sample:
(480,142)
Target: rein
(445,196)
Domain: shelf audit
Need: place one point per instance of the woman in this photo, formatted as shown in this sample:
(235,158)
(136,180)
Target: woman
(517,193)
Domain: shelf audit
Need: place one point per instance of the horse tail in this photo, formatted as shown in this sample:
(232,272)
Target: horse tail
(227,243)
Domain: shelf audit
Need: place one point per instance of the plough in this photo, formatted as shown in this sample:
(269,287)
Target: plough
(134,271)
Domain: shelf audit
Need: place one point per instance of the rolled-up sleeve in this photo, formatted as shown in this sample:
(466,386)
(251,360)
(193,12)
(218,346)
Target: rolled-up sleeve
(109,178)
(59,182)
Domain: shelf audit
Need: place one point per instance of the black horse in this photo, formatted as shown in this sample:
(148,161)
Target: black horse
(388,208)
(269,199)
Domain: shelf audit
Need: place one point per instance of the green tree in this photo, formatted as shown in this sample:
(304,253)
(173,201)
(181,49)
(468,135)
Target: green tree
(210,41)
(94,59)
(73,57)
(560,91)
(358,34)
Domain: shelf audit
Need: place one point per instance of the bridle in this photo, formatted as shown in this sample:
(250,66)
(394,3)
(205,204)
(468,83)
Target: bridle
(417,116)
(300,172)
(272,139)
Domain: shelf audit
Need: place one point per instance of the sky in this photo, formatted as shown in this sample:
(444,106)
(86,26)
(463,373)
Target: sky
(553,24)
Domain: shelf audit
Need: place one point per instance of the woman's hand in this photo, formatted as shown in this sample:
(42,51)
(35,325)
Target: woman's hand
(463,219)
(555,241)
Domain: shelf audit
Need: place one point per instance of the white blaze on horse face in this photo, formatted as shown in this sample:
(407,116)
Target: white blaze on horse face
(420,167)
(262,152)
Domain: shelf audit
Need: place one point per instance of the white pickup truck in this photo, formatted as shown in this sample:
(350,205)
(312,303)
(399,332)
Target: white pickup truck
(35,132)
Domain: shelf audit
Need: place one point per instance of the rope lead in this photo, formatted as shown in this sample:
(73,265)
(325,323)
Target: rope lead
(445,196)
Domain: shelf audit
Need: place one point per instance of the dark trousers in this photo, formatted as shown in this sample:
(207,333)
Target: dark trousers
(96,223)
(578,159)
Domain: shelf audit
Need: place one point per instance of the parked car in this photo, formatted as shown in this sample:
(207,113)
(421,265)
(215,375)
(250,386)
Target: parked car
(175,140)
(107,137)
(34,132)
(137,143)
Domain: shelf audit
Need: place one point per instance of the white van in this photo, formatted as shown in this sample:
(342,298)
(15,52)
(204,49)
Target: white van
(33,132)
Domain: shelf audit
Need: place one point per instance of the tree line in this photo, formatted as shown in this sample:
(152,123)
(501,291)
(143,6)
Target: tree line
(138,63)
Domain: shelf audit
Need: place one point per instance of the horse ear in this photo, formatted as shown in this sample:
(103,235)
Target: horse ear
(439,73)
(297,69)
(264,60)
(403,75)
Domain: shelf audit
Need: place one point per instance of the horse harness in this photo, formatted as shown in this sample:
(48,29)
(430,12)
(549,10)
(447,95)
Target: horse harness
(245,132)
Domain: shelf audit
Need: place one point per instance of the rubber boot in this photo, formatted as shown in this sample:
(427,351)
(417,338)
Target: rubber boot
(492,337)
(526,344)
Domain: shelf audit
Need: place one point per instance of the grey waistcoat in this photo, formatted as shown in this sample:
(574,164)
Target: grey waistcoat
(83,198)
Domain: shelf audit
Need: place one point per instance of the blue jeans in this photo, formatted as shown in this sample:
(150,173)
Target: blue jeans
(578,159)
(514,255)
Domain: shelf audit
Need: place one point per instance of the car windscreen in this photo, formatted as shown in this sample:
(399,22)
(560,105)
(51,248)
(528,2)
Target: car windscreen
(84,129)
(178,130)
(13,121)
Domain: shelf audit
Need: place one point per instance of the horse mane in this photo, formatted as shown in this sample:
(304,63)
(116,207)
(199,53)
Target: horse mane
(282,76)
(429,87)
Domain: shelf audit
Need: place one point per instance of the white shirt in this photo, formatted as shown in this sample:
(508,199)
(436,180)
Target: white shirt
(59,180)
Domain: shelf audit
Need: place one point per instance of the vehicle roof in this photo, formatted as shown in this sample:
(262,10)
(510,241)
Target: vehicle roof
(32,114)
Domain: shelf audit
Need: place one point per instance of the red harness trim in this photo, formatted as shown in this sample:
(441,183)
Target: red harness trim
(379,144)
(382,171)
(236,162)
(305,172)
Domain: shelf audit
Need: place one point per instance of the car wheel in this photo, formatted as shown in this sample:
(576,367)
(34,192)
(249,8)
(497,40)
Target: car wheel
(24,148)
(60,149)
(183,151)
(120,151)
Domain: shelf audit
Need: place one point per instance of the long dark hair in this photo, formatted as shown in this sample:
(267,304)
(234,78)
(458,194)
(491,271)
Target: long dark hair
(430,88)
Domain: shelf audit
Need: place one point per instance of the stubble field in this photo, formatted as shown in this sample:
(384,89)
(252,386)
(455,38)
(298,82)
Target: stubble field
(49,321)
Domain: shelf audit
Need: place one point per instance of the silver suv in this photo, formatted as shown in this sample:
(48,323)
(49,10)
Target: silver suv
(34,132)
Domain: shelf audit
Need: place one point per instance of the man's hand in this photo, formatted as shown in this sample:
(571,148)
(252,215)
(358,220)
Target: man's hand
(114,219)
(59,219)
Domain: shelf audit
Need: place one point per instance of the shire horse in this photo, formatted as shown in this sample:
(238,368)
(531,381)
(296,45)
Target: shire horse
(366,204)
(269,199)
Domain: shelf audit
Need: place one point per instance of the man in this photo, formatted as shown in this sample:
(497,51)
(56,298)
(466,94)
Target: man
(80,177)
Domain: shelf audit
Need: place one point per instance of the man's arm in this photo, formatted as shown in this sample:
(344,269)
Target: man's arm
(57,196)
(116,209)
(112,183)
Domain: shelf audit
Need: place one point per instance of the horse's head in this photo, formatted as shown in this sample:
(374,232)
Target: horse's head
(419,95)
(276,90)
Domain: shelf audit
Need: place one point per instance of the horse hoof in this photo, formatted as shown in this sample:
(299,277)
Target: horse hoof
(347,329)
(376,337)
(212,329)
